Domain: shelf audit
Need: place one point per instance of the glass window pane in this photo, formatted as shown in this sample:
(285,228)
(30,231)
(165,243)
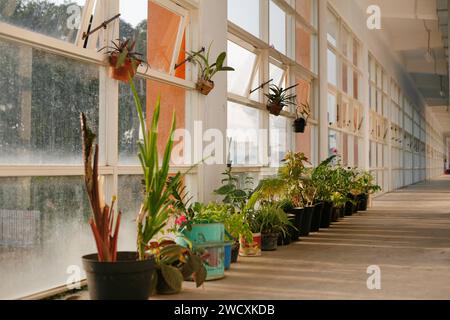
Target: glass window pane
(42,97)
(133,23)
(305,9)
(245,14)
(332,28)
(44,229)
(243,62)
(333,142)
(243,130)
(278,139)
(332,68)
(173,99)
(276,73)
(332,109)
(277,27)
(303,46)
(55,18)
(304,142)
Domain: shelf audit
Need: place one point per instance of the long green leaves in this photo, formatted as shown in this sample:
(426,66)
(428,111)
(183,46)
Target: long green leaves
(155,209)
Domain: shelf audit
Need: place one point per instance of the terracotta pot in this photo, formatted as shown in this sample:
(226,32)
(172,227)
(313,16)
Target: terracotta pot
(275,108)
(122,73)
(204,86)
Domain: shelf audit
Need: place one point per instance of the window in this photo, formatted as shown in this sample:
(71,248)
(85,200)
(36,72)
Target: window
(278,139)
(243,61)
(243,130)
(332,28)
(277,27)
(332,68)
(55,18)
(42,97)
(44,228)
(245,14)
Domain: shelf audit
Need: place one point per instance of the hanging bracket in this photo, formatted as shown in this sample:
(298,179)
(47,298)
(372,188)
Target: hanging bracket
(261,86)
(189,59)
(103,25)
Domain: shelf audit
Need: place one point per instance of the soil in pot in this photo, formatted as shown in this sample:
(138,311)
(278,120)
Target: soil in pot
(269,241)
(298,218)
(325,219)
(122,73)
(234,252)
(275,108)
(299,125)
(305,226)
(125,279)
(204,86)
(317,217)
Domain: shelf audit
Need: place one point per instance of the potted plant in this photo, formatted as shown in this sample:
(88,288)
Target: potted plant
(271,221)
(236,226)
(278,98)
(175,263)
(321,177)
(311,218)
(207,69)
(123,60)
(302,114)
(111,275)
(365,182)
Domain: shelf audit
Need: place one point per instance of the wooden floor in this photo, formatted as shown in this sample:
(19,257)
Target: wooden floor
(406,234)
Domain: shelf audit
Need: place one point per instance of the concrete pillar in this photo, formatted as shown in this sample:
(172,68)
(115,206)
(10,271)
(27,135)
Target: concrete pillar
(212,109)
(323,80)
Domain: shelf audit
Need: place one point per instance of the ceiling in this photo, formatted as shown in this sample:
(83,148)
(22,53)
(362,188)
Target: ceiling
(404,28)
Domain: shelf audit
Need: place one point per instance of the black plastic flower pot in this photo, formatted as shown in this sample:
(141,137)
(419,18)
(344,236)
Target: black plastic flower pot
(299,125)
(125,279)
(348,210)
(317,217)
(325,219)
(305,227)
(362,203)
(234,252)
(269,241)
(297,221)
(335,214)
(284,239)
(162,287)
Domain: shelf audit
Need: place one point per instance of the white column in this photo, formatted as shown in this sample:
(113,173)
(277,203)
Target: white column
(323,80)
(212,109)
(366,107)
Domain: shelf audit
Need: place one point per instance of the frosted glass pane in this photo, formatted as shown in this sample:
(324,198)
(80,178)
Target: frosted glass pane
(242,61)
(243,129)
(55,18)
(278,139)
(276,74)
(42,97)
(43,230)
(332,68)
(245,14)
(277,27)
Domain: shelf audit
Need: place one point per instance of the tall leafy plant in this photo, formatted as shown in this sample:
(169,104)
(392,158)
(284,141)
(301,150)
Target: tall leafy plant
(156,206)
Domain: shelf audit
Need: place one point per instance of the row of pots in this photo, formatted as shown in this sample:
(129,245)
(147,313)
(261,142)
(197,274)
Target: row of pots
(305,220)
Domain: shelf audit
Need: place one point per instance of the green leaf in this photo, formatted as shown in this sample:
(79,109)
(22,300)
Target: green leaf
(172,276)
(225,189)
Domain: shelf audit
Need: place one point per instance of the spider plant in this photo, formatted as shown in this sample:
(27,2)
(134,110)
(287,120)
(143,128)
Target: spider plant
(279,97)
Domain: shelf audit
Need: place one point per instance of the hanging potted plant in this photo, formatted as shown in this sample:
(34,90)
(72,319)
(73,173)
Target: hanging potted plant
(303,112)
(208,69)
(175,263)
(111,275)
(123,60)
(278,98)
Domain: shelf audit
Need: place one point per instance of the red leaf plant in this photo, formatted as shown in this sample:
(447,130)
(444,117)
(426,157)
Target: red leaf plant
(102,222)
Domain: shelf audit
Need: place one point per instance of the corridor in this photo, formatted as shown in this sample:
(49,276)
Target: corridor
(406,234)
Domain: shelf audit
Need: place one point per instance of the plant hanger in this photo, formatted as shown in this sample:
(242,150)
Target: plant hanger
(261,86)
